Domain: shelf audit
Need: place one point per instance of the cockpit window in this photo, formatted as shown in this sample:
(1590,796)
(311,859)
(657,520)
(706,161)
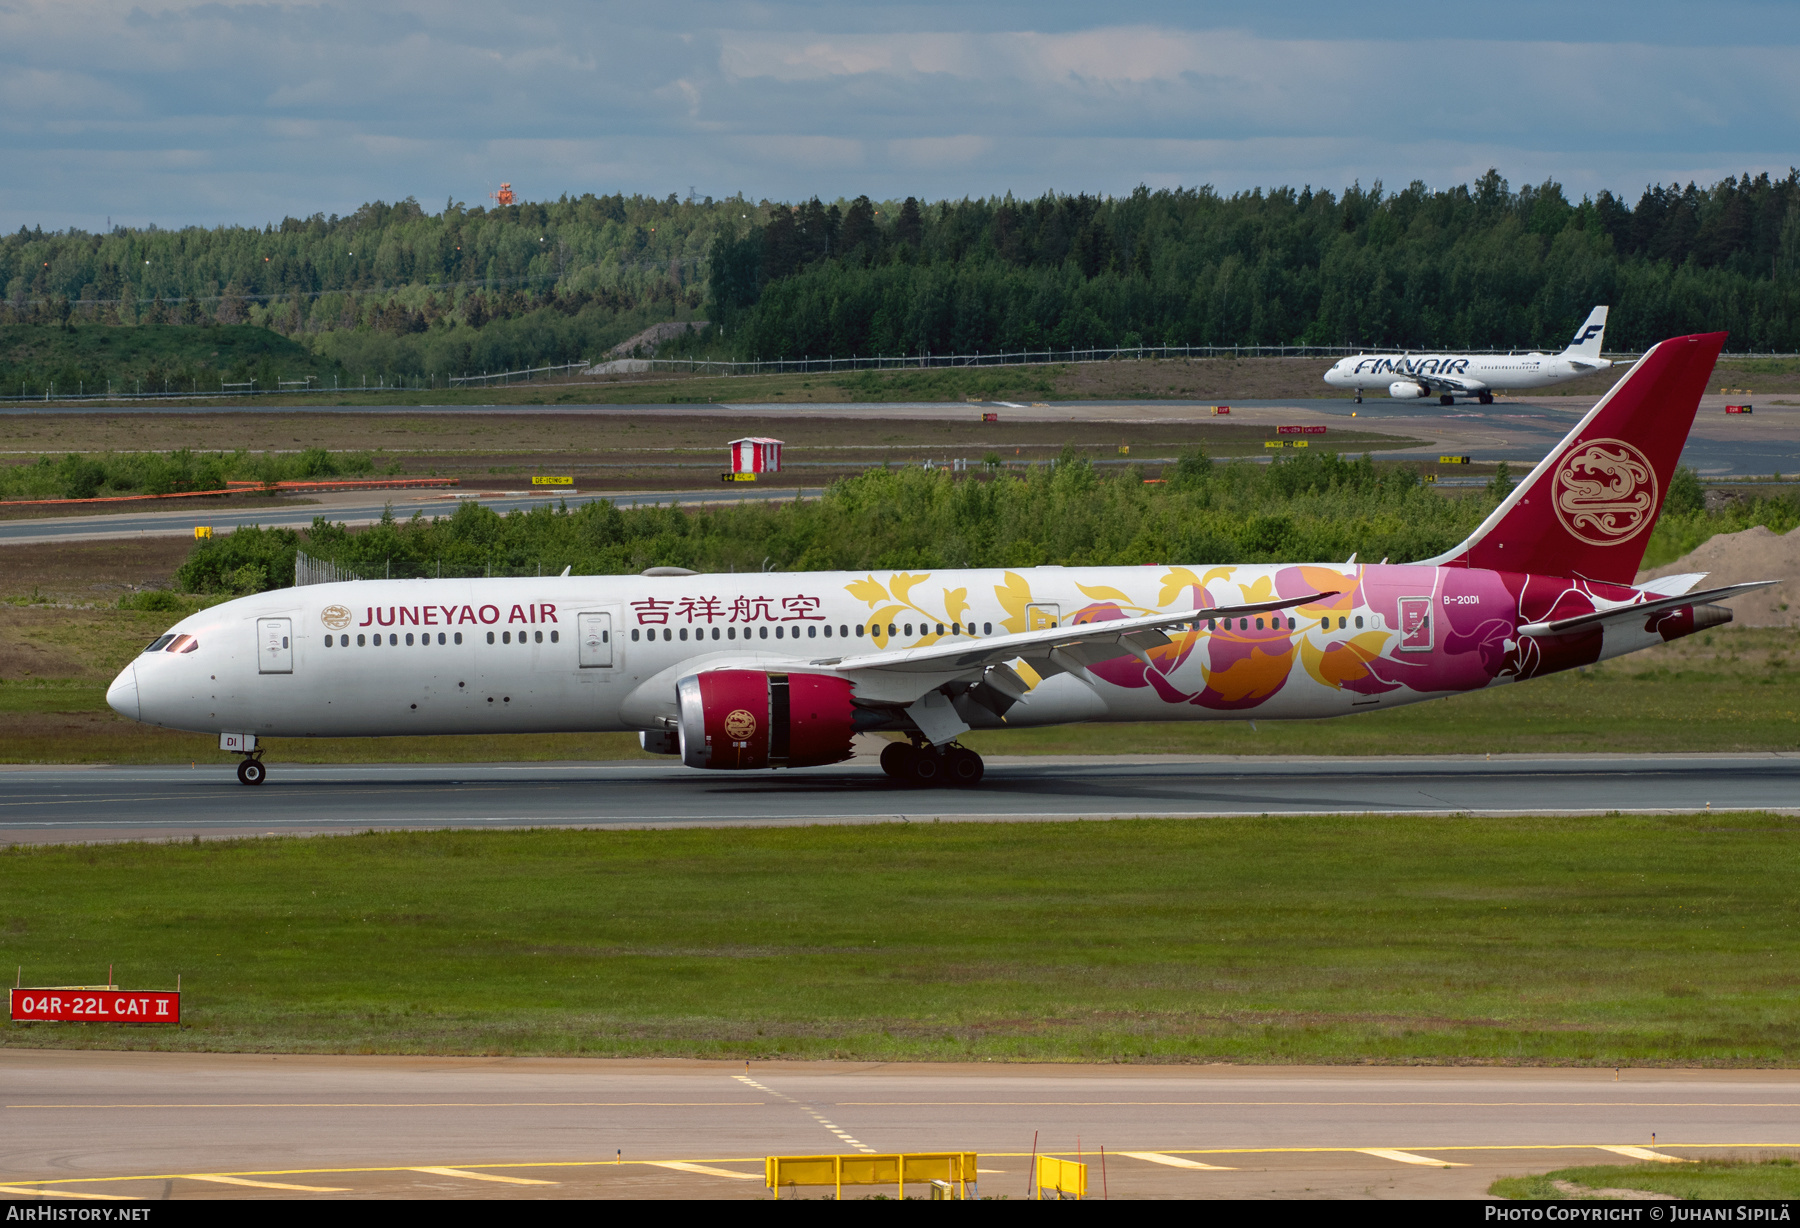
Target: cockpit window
(193,644)
(160,643)
(183,643)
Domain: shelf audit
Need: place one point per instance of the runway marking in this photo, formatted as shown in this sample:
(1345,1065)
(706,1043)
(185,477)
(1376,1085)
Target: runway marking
(1331,1104)
(706,1169)
(40,1192)
(810,1112)
(1644,1153)
(21,1185)
(264,1185)
(1157,1157)
(463,1172)
(1407,1157)
(432,1104)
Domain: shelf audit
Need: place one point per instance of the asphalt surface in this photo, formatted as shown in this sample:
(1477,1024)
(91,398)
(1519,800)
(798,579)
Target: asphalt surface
(349,508)
(45,804)
(1519,431)
(138,1125)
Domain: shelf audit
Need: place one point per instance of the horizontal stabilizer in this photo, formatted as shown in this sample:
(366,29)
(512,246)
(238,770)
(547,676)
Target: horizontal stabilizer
(1672,586)
(1582,622)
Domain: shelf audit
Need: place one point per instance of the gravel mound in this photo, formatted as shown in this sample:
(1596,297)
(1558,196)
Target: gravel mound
(1754,554)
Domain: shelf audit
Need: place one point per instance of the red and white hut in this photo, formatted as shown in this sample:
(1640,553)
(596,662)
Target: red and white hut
(757,454)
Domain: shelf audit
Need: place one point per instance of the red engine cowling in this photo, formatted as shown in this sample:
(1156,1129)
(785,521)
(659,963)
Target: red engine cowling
(745,718)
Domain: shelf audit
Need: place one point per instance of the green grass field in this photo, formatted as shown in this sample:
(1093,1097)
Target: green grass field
(1725,1179)
(1545,940)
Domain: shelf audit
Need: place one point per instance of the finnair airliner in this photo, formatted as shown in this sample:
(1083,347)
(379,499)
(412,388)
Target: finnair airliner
(783,670)
(1410,376)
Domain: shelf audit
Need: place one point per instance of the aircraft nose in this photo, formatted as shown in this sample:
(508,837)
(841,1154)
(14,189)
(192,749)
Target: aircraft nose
(122,695)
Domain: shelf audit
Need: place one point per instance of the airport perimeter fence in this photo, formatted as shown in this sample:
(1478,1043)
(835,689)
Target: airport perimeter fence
(789,366)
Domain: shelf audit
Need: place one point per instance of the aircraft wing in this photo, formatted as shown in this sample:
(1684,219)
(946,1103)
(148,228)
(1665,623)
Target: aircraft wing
(900,677)
(1450,383)
(1582,622)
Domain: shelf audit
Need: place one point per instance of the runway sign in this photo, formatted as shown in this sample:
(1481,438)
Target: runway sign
(568,481)
(737,477)
(1299,430)
(1738,409)
(990,417)
(1284,443)
(1453,460)
(1220,409)
(78,1004)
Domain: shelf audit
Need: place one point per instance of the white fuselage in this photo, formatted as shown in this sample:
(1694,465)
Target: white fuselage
(597,653)
(1460,374)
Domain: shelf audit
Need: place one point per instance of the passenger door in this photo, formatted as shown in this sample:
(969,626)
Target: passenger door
(1415,624)
(274,646)
(594,635)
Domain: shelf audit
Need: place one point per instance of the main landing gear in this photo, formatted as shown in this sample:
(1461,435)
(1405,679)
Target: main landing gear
(932,765)
(251,770)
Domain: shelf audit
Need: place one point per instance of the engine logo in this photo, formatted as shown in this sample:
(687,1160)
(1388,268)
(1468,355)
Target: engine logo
(740,726)
(335,616)
(1604,492)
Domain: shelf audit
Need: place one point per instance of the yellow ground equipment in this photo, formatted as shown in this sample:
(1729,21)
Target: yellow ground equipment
(955,1169)
(1060,1179)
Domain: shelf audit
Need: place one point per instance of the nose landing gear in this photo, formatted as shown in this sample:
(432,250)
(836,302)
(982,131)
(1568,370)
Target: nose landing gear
(931,765)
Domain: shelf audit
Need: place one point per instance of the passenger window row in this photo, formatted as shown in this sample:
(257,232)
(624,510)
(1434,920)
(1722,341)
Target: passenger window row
(783,631)
(1243,624)
(424,640)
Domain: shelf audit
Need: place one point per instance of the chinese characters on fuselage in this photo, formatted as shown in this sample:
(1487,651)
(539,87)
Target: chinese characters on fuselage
(740,610)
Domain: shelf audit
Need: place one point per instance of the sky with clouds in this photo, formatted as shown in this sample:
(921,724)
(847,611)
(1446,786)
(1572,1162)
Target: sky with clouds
(179,112)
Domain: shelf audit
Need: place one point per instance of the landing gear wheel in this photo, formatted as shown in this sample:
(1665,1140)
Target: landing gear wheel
(1359,398)
(897,759)
(964,768)
(927,767)
(252,772)
(1446,399)
(1486,398)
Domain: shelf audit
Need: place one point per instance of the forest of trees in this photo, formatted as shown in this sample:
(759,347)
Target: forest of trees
(1476,266)
(394,290)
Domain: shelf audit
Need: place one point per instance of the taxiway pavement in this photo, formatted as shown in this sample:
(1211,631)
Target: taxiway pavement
(1520,432)
(355,509)
(143,1125)
(54,804)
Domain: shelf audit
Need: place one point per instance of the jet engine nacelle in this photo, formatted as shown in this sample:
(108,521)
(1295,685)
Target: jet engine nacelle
(747,718)
(1405,390)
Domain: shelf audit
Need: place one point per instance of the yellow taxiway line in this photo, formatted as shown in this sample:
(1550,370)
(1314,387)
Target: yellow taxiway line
(703,1165)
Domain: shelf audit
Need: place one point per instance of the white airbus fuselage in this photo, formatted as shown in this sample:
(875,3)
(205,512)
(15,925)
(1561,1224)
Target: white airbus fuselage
(1449,376)
(1409,376)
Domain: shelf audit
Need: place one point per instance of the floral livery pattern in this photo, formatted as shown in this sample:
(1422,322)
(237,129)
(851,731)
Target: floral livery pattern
(1349,643)
(1426,630)
(892,600)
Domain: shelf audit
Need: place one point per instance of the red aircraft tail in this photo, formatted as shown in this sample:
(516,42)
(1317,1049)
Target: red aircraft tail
(1588,508)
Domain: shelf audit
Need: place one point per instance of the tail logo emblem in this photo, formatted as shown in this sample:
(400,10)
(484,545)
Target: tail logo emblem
(1604,492)
(740,726)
